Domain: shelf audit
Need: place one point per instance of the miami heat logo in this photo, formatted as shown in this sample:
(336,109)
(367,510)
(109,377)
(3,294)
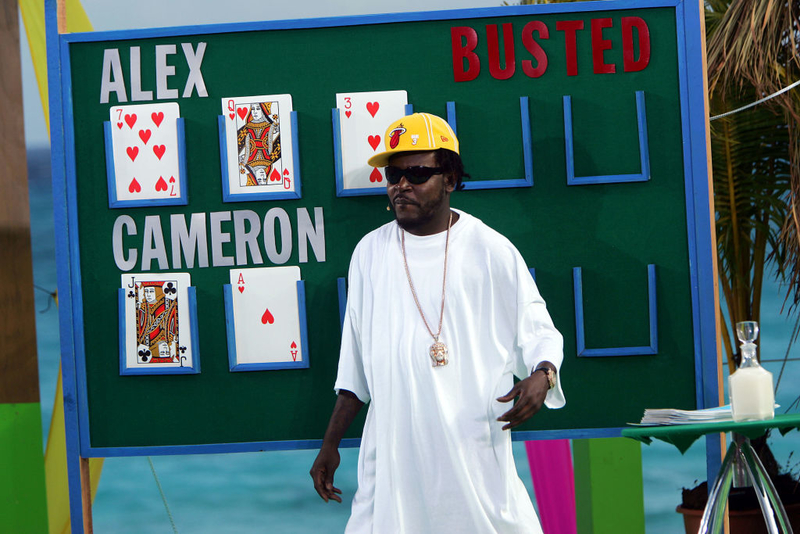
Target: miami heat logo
(394,136)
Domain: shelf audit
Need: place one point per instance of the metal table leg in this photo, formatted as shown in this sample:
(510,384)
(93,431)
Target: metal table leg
(742,457)
(765,491)
(718,496)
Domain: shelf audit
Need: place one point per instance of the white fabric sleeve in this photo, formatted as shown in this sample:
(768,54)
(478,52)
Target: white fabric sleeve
(351,375)
(537,338)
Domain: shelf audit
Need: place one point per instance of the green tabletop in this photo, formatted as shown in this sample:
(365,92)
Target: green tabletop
(682,436)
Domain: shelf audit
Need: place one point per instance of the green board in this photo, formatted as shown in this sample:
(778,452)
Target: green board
(611,231)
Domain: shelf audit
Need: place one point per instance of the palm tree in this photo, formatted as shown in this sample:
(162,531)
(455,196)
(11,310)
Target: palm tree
(753,52)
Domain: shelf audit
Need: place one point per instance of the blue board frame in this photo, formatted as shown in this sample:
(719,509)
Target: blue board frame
(694,131)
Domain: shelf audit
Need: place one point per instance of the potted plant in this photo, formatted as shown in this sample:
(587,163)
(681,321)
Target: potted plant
(756,173)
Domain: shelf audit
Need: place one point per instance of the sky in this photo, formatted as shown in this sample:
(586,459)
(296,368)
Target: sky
(108,15)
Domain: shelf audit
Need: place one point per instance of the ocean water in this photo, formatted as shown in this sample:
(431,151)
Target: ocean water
(272,491)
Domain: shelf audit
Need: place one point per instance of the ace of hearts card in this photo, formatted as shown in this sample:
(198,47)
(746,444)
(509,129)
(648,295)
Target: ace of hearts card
(265,311)
(363,119)
(157,324)
(257,148)
(144,155)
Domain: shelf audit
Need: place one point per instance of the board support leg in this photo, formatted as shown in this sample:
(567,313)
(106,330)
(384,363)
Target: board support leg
(86,496)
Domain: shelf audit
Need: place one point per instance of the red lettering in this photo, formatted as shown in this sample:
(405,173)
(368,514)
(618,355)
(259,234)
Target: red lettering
(534,48)
(600,45)
(570,27)
(494,51)
(462,51)
(643,34)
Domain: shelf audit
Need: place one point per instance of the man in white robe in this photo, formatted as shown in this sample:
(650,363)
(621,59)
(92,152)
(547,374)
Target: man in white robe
(436,452)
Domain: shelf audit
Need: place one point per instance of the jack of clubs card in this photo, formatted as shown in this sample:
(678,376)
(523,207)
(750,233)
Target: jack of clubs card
(156,333)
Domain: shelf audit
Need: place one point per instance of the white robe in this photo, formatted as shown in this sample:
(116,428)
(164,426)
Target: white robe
(433,456)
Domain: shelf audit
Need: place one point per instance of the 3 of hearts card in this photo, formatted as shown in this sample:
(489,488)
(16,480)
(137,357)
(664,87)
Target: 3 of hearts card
(266,319)
(145,156)
(258,139)
(158,324)
(362,120)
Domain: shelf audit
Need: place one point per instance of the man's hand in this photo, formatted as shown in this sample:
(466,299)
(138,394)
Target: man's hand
(530,394)
(322,473)
(347,406)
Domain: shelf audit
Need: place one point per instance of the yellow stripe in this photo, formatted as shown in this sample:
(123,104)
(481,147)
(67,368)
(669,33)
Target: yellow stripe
(33,19)
(429,128)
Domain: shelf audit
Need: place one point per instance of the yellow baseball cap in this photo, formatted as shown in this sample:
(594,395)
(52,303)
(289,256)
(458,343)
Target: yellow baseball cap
(420,131)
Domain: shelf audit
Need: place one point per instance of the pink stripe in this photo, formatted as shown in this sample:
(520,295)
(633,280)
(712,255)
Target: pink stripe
(554,484)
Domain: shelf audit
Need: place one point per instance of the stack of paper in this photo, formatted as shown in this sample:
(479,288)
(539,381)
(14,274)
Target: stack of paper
(671,416)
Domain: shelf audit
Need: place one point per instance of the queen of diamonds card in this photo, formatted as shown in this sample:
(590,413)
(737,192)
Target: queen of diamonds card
(258,145)
(156,327)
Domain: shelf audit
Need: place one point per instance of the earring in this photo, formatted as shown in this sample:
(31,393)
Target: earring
(388,208)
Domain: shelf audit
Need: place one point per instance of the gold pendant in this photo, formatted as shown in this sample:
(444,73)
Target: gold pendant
(438,353)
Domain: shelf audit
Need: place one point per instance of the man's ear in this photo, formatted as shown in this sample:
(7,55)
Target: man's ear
(450,182)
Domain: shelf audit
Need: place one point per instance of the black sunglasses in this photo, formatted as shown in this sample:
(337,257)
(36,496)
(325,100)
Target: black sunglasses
(414,175)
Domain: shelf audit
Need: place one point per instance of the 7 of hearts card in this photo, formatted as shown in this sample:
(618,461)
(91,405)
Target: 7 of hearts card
(359,126)
(265,312)
(145,156)
(258,148)
(158,324)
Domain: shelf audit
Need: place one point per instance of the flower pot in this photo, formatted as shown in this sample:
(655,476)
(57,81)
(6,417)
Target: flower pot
(741,521)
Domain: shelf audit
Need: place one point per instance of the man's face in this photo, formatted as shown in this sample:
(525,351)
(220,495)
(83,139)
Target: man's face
(163,350)
(255,110)
(150,294)
(415,206)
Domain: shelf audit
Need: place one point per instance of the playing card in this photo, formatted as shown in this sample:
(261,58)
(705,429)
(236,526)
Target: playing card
(363,119)
(258,144)
(266,314)
(157,325)
(144,139)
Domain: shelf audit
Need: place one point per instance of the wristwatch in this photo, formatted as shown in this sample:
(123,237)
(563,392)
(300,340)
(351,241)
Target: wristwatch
(550,374)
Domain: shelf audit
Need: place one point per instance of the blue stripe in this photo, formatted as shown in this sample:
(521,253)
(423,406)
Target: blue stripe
(694,121)
(122,333)
(64,272)
(527,154)
(111,175)
(298,184)
(337,152)
(223,159)
(451,117)
(290,445)
(181,130)
(527,142)
(230,325)
(360,20)
(644,151)
(616,351)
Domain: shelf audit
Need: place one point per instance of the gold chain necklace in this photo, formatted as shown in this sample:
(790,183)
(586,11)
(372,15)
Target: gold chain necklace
(438,351)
